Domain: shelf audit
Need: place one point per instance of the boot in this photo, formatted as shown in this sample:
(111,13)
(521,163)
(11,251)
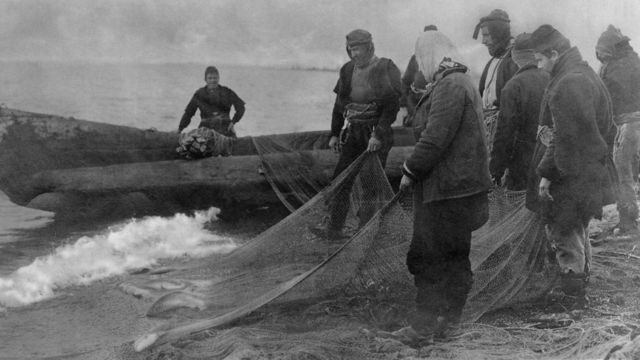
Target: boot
(628,224)
(574,287)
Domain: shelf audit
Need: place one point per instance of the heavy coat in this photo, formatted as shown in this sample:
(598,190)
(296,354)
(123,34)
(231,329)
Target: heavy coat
(621,75)
(576,160)
(412,76)
(450,158)
(505,71)
(385,79)
(517,127)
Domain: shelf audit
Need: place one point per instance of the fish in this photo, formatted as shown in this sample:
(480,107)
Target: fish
(173,301)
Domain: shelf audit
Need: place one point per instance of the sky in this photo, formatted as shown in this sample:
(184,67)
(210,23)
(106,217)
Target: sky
(305,33)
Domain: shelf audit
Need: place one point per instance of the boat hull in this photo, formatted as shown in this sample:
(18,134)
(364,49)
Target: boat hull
(72,166)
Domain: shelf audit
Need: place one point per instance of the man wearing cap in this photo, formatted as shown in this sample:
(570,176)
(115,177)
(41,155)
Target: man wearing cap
(517,126)
(620,72)
(496,36)
(367,100)
(575,183)
(413,85)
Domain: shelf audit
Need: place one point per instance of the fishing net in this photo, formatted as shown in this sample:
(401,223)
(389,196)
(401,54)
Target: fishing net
(294,185)
(296,261)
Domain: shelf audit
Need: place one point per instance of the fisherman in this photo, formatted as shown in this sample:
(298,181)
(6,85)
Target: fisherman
(575,182)
(496,36)
(620,72)
(517,127)
(449,168)
(367,99)
(215,102)
(413,85)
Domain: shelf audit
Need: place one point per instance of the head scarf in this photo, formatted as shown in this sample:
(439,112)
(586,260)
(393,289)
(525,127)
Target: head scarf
(498,24)
(608,42)
(360,37)
(432,48)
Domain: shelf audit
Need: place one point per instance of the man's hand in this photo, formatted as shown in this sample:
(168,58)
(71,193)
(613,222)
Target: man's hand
(230,127)
(334,144)
(406,183)
(543,189)
(497,180)
(374,144)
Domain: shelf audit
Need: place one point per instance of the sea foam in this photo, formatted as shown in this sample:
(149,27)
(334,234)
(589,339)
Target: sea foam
(135,244)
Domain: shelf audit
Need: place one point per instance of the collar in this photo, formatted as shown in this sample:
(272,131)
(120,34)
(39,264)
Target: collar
(566,61)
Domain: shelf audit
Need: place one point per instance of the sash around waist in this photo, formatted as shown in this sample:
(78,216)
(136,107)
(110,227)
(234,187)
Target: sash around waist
(217,119)
(356,114)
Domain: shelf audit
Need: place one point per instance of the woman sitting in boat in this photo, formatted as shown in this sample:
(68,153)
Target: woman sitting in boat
(214,101)
(216,130)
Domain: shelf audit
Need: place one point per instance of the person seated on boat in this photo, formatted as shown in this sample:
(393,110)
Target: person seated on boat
(368,98)
(214,101)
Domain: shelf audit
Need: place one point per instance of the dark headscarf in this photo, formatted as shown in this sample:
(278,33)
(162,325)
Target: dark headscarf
(611,43)
(360,37)
(498,24)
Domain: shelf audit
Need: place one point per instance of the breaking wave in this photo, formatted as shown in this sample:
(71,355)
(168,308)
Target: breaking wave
(132,245)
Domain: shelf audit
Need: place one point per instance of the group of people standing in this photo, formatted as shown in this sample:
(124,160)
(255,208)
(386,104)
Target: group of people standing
(541,121)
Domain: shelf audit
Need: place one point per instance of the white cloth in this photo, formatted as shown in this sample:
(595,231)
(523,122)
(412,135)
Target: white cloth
(489,95)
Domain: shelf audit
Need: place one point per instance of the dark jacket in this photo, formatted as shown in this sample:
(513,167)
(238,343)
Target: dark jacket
(385,80)
(220,101)
(517,127)
(621,75)
(580,108)
(412,76)
(533,202)
(450,159)
(505,71)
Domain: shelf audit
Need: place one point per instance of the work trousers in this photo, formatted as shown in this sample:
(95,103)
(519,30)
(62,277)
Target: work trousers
(567,217)
(625,156)
(356,142)
(438,256)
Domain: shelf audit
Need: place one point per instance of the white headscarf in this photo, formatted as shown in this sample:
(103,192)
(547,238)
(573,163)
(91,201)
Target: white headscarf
(431,48)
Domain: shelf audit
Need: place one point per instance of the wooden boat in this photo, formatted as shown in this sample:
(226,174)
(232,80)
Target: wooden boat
(72,166)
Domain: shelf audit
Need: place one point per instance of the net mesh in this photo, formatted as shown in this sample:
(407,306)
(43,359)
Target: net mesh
(293,262)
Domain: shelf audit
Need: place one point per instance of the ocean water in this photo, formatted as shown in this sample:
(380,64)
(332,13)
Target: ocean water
(53,275)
